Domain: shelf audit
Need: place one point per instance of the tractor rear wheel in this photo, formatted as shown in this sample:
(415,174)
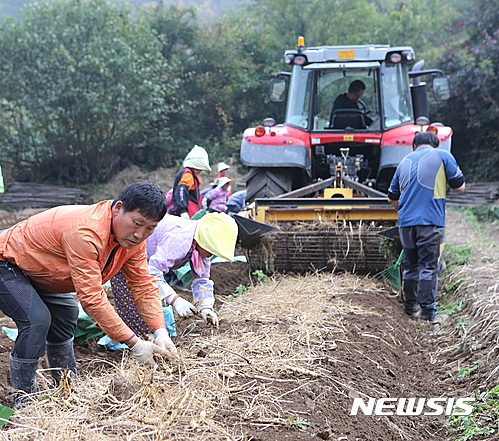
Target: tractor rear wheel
(265,182)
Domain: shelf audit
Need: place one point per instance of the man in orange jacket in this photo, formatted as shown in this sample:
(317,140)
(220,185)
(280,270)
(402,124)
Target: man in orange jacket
(77,249)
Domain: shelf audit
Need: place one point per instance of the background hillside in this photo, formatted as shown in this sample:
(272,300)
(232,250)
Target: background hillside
(209,7)
(90,87)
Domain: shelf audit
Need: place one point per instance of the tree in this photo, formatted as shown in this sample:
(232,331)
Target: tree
(474,106)
(83,87)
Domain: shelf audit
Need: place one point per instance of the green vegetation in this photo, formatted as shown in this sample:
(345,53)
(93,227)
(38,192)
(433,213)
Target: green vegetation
(484,419)
(451,308)
(486,213)
(240,290)
(89,87)
(457,255)
(299,423)
(260,275)
(461,325)
(467,372)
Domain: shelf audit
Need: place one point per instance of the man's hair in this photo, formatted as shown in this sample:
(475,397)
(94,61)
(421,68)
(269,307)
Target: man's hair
(356,86)
(148,198)
(428,138)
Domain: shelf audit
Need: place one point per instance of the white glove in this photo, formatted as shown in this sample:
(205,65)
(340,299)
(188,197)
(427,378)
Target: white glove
(144,350)
(185,215)
(209,316)
(164,341)
(184,308)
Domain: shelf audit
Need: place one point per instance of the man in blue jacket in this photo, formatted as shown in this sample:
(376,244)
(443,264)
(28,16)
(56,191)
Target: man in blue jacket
(418,192)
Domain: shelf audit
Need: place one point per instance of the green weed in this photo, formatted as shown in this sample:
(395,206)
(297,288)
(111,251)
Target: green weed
(451,308)
(488,259)
(462,324)
(260,275)
(484,419)
(457,256)
(298,422)
(468,371)
(240,290)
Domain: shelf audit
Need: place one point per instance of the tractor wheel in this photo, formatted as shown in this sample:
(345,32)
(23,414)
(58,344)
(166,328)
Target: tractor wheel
(268,182)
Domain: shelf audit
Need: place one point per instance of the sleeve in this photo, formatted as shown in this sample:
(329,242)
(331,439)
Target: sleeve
(144,290)
(180,197)
(394,189)
(81,248)
(453,173)
(188,180)
(166,255)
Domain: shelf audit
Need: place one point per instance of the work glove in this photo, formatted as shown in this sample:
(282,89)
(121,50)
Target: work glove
(202,289)
(184,215)
(209,316)
(184,308)
(144,350)
(164,341)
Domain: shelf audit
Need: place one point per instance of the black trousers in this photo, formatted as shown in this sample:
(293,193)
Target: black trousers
(40,316)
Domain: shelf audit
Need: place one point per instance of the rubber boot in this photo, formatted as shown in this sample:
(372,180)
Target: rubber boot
(22,377)
(61,355)
(409,296)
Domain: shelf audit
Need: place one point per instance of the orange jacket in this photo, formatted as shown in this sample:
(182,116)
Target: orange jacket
(72,248)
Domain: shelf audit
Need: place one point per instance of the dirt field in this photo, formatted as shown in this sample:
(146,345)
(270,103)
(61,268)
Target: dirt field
(290,356)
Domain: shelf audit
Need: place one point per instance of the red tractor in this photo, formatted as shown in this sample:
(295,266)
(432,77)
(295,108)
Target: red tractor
(368,139)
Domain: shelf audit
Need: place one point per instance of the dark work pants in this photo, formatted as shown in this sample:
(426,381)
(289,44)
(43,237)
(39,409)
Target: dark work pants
(40,316)
(423,247)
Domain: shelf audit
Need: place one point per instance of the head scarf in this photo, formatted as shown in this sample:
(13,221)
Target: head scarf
(217,234)
(222,181)
(222,166)
(197,158)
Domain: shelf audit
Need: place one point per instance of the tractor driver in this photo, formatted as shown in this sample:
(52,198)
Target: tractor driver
(351,99)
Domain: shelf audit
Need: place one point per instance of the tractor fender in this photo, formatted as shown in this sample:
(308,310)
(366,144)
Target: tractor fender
(391,155)
(288,155)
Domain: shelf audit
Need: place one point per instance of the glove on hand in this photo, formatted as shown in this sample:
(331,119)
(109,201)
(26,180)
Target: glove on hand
(164,341)
(144,350)
(184,308)
(202,289)
(184,215)
(209,316)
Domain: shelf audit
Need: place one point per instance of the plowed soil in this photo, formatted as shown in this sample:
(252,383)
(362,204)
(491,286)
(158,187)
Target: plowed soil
(367,347)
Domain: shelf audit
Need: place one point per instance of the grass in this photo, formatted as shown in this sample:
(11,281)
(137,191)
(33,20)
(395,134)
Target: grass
(468,371)
(457,255)
(484,419)
(477,216)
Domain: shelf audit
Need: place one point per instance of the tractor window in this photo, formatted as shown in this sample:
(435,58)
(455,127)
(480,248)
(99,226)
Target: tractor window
(297,112)
(333,83)
(395,89)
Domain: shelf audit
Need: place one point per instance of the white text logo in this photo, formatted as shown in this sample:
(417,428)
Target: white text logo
(413,406)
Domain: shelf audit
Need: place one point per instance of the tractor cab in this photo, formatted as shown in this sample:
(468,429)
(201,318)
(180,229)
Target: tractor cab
(367,100)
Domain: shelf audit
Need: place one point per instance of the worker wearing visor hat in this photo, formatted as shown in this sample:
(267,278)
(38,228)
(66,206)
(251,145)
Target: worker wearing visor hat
(174,243)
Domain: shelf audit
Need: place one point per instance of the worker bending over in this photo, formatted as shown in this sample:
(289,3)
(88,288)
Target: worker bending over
(77,249)
(174,243)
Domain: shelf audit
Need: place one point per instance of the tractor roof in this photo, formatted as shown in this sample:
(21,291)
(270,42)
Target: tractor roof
(372,52)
